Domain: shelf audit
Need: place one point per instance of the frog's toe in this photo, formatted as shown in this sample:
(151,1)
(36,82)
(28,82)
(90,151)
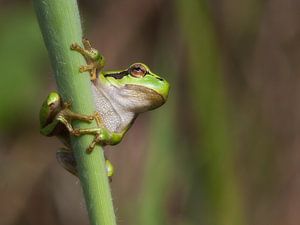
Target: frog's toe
(85,68)
(91,147)
(67,105)
(82,69)
(86,43)
(93,144)
(91,118)
(74,46)
(76,132)
(93,74)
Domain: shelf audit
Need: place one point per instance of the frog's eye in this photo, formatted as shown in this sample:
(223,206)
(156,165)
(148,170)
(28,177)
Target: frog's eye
(138,70)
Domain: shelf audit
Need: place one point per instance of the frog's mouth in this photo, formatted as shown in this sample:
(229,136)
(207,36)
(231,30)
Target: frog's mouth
(117,75)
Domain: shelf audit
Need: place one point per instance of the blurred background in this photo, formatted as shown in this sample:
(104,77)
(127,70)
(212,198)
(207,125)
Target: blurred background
(224,149)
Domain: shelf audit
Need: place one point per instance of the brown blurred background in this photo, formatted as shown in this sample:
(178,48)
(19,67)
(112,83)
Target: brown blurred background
(224,150)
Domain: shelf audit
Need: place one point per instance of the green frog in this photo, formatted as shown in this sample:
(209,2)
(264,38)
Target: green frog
(119,97)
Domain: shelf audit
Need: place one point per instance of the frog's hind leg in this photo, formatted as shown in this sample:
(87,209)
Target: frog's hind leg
(67,160)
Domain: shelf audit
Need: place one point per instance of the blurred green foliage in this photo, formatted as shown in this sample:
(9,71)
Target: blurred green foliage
(22,54)
(215,156)
(210,155)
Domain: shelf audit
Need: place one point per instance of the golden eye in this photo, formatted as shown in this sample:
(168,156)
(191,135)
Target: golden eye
(137,70)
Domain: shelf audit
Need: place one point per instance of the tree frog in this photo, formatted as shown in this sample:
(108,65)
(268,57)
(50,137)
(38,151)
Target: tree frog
(119,97)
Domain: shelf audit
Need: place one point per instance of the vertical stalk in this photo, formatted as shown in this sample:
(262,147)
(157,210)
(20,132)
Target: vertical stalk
(60,25)
(215,160)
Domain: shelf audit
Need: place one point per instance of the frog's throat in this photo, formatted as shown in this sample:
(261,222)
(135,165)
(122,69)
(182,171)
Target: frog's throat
(114,117)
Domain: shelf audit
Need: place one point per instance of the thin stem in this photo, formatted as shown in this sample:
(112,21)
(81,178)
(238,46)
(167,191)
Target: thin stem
(215,161)
(60,25)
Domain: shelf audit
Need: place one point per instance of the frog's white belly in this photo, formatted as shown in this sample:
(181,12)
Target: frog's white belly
(114,118)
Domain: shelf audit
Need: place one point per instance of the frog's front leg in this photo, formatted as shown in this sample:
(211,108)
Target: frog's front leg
(95,61)
(102,136)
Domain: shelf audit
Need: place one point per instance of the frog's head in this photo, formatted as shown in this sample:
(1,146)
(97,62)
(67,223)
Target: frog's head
(137,88)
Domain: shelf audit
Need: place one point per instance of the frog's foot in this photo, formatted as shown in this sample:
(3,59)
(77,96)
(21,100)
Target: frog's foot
(95,61)
(66,159)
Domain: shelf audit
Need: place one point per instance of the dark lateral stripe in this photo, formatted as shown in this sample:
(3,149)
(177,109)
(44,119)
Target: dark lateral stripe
(119,75)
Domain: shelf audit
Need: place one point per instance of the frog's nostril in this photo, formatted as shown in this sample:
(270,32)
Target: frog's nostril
(159,78)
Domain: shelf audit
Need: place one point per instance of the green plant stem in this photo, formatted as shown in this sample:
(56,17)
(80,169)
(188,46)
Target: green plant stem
(60,24)
(215,161)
